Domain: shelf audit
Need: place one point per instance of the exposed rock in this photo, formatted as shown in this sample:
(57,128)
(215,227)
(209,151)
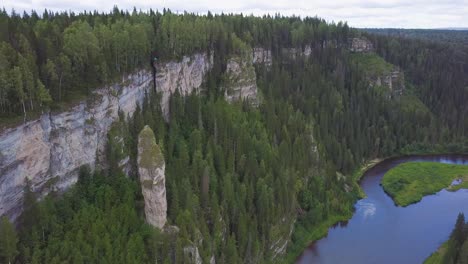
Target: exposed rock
(279,246)
(360,44)
(241,80)
(185,76)
(262,56)
(171,230)
(151,170)
(394,81)
(191,252)
(49,150)
(294,53)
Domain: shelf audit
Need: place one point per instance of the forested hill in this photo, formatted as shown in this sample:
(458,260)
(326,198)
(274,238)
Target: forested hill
(246,182)
(447,36)
(50,58)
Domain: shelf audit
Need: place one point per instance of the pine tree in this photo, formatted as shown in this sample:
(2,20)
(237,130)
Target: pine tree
(8,241)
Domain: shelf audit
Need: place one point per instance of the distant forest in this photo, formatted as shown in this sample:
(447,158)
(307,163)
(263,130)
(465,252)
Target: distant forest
(454,37)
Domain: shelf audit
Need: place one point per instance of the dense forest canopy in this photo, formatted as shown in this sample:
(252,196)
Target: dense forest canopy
(454,37)
(238,176)
(54,57)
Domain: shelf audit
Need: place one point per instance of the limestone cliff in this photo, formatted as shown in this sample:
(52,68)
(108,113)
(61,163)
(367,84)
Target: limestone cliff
(48,151)
(295,53)
(386,78)
(185,76)
(241,80)
(360,44)
(151,170)
(393,80)
(262,56)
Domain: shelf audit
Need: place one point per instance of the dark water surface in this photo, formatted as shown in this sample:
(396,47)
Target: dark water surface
(380,232)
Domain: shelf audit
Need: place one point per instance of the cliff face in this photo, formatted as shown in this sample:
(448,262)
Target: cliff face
(262,56)
(393,80)
(151,170)
(294,53)
(185,76)
(49,151)
(360,44)
(241,80)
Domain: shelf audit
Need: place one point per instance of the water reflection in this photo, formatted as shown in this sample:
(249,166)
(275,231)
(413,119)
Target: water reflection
(365,209)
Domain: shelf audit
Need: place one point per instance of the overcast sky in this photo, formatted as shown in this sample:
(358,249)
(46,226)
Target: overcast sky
(358,13)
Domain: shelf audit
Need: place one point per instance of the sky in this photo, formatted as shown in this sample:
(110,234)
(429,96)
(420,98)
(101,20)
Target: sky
(358,13)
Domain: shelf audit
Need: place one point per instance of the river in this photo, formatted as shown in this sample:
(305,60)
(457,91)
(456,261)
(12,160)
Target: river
(381,232)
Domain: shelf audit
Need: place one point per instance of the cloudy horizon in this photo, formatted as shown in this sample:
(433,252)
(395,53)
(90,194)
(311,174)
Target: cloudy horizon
(358,13)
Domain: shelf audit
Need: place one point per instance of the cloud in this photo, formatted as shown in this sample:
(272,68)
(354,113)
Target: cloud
(358,13)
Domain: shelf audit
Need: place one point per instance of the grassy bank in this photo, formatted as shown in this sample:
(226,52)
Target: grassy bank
(407,183)
(309,235)
(438,256)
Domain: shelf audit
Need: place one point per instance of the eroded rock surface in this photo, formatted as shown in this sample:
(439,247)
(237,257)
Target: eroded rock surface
(151,170)
(241,80)
(185,76)
(49,151)
(360,44)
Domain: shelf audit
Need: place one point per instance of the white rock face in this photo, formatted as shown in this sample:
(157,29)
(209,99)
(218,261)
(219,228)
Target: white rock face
(300,52)
(261,56)
(360,45)
(394,80)
(241,82)
(48,151)
(151,170)
(185,76)
(193,255)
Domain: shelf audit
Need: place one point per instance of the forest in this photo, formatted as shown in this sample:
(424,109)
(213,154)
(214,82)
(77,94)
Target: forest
(239,178)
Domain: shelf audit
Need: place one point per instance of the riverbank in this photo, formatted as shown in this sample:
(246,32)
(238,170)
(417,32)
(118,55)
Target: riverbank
(309,235)
(438,256)
(409,182)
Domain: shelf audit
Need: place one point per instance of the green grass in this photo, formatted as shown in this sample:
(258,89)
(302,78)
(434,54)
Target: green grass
(306,235)
(357,175)
(438,256)
(372,63)
(309,235)
(411,103)
(407,183)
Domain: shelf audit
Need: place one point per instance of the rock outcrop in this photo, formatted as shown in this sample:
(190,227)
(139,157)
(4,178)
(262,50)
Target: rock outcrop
(360,44)
(262,56)
(48,151)
(185,76)
(294,53)
(241,80)
(394,81)
(192,254)
(151,170)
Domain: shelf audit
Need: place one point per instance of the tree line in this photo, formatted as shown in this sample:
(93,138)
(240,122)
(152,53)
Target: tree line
(53,58)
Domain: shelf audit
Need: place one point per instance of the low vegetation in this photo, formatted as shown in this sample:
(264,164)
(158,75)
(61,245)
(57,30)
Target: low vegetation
(407,183)
(455,250)
(372,63)
(438,256)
